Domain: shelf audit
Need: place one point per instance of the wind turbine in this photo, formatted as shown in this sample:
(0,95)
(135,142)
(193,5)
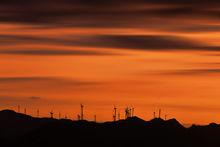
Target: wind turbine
(154,114)
(127,112)
(51,114)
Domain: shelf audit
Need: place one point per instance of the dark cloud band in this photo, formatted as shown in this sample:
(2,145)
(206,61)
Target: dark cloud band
(134,42)
(96,12)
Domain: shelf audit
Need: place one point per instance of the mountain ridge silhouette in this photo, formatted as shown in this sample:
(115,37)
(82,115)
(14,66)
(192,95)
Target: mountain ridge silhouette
(25,131)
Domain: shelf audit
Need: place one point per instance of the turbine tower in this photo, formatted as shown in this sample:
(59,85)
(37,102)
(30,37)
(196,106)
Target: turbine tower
(94,118)
(166,117)
(132,112)
(82,111)
(114,113)
(38,112)
(159,113)
(78,116)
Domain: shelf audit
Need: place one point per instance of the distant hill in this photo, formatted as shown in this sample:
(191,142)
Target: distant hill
(25,131)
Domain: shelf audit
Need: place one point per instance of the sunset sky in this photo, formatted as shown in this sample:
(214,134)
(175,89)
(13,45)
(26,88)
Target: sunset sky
(146,54)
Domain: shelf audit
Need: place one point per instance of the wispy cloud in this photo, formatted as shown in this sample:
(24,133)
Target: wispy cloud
(191,72)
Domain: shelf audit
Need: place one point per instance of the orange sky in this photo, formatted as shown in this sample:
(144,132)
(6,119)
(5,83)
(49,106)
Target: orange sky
(166,62)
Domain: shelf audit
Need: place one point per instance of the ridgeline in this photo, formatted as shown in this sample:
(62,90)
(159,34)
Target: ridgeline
(25,131)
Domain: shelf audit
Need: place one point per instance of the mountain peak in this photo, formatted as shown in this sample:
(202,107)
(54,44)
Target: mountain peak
(157,121)
(12,115)
(7,111)
(174,123)
(135,118)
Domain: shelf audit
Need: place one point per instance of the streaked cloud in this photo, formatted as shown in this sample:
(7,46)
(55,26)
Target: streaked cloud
(148,42)
(139,42)
(34,98)
(62,52)
(46,79)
